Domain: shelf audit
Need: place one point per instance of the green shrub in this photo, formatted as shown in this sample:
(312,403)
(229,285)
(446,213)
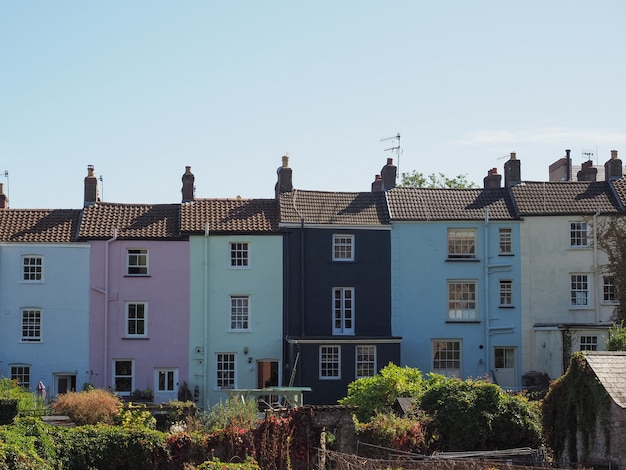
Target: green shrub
(217,464)
(90,407)
(27,403)
(135,417)
(617,337)
(374,395)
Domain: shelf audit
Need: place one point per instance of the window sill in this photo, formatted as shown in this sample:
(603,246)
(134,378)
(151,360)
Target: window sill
(462,321)
(135,338)
(579,248)
(330,378)
(583,308)
(239,331)
(462,260)
(506,306)
(30,342)
(342,261)
(506,254)
(137,275)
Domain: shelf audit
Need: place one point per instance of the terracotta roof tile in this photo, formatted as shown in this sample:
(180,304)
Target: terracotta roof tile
(132,221)
(321,207)
(449,204)
(230,215)
(569,197)
(38,225)
(619,186)
(610,368)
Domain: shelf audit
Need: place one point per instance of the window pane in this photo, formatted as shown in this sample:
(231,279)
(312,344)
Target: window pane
(461,243)
(506,241)
(330,365)
(578,234)
(343,247)
(32,268)
(239,254)
(462,300)
(137,262)
(239,312)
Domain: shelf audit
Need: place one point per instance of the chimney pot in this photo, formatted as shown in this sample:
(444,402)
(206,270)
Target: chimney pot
(613,168)
(285,175)
(4,201)
(512,171)
(388,175)
(285,161)
(492,180)
(377,185)
(91,188)
(613,154)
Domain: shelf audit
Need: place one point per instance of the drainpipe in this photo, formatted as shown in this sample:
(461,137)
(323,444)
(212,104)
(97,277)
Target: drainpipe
(205,287)
(106,307)
(596,279)
(486,288)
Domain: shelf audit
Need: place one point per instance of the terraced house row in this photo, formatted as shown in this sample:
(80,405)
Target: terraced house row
(310,288)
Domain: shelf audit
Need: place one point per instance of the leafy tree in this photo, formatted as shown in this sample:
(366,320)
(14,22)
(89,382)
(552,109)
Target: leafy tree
(377,394)
(611,238)
(416,179)
(617,337)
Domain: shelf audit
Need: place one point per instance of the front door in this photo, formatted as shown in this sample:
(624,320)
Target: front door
(64,383)
(267,376)
(165,385)
(504,370)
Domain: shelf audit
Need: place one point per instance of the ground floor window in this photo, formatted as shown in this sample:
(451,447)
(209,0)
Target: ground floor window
(21,373)
(447,357)
(225,370)
(123,376)
(588,343)
(330,362)
(365,361)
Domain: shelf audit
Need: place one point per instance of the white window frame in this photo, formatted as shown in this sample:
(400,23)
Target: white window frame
(506,293)
(137,262)
(505,241)
(343,310)
(462,300)
(609,295)
(239,255)
(32,269)
(239,313)
(447,356)
(365,360)
(588,343)
(124,377)
(31,325)
(135,320)
(225,370)
(462,243)
(330,362)
(343,247)
(578,235)
(21,373)
(580,290)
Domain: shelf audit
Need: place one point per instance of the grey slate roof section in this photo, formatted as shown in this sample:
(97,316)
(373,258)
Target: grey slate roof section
(610,368)
(338,208)
(424,204)
(565,198)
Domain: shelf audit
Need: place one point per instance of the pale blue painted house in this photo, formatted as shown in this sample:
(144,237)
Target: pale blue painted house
(455,273)
(44,300)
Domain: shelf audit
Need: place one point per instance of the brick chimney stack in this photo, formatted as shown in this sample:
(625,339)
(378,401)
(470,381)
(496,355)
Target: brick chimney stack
(377,184)
(91,188)
(492,180)
(512,171)
(388,175)
(587,172)
(284,183)
(4,200)
(613,168)
(188,187)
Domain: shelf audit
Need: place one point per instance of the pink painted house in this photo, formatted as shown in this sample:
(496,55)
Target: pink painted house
(139,296)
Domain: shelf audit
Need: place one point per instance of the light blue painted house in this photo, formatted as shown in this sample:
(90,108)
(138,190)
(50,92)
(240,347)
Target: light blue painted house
(236,294)
(44,299)
(455,274)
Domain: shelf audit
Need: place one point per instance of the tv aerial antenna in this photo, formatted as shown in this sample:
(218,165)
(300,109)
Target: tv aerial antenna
(395,148)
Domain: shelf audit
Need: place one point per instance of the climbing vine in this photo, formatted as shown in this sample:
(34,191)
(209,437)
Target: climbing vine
(573,406)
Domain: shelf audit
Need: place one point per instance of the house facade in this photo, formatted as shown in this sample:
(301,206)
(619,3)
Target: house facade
(337,309)
(139,297)
(456,280)
(44,300)
(568,295)
(236,295)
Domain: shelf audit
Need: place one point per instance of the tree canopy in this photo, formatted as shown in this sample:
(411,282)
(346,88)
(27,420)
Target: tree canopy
(416,179)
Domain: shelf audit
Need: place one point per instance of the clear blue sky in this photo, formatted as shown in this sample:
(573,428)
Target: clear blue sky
(140,89)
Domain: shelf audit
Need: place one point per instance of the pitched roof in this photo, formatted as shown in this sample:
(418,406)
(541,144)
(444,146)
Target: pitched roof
(610,368)
(339,208)
(230,215)
(131,221)
(562,198)
(449,204)
(38,225)
(619,186)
